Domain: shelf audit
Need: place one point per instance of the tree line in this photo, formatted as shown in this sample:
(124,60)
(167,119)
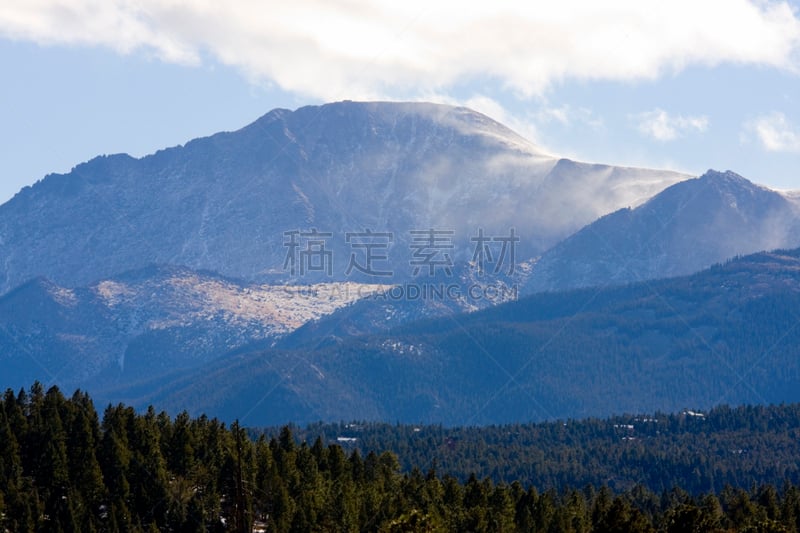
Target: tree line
(701,452)
(65,468)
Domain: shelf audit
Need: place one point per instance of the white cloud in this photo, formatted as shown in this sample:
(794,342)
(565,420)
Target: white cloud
(567,116)
(372,48)
(775,133)
(659,125)
(561,114)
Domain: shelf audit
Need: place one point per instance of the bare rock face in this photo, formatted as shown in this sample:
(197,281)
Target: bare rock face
(229,202)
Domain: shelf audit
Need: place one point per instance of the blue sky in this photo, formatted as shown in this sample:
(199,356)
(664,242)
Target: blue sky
(679,85)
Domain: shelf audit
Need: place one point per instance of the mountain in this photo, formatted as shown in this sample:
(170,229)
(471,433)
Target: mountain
(725,335)
(146,323)
(247,204)
(304,260)
(685,228)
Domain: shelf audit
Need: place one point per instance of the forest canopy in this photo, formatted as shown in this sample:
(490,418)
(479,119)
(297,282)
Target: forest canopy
(65,468)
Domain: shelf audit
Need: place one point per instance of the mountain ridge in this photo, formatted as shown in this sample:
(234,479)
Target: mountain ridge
(148,321)
(226,202)
(166,276)
(714,337)
(686,227)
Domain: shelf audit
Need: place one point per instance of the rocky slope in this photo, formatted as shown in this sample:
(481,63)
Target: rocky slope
(726,335)
(148,322)
(229,202)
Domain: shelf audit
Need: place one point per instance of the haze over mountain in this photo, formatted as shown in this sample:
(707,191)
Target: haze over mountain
(687,227)
(224,203)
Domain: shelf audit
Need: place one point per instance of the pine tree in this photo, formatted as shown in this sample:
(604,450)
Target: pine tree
(243,480)
(181,457)
(476,500)
(51,466)
(500,516)
(89,493)
(115,461)
(147,472)
(10,460)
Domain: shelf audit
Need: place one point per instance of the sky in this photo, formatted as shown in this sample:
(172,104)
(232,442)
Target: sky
(681,85)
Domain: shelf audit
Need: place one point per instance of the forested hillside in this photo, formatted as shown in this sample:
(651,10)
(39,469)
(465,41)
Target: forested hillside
(62,468)
(724,335)
(697,451)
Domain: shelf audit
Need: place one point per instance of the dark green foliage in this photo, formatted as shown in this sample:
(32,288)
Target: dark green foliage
(700,452)
(62,469)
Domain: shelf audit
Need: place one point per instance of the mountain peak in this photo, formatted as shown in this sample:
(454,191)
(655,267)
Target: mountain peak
(227,202)
(690,225)
(375,117)
(726,174)
(728,177)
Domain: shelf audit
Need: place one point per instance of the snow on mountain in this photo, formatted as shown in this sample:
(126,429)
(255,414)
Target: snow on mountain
(230,202)
(687,227)
(728,333)
(181,297)
(157,319)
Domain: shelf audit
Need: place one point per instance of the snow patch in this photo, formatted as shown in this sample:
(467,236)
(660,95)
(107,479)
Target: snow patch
(63,296)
